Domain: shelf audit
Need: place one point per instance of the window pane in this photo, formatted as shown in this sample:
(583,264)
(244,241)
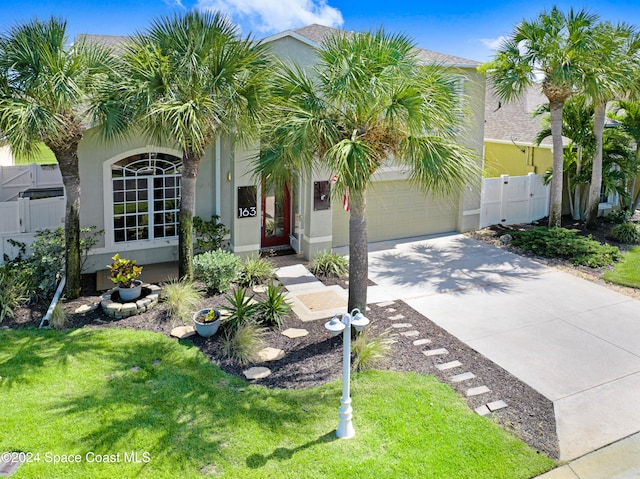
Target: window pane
(118,235)
(158,231)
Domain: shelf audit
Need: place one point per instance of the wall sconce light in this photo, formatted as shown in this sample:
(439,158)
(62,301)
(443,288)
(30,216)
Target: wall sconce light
(228,176)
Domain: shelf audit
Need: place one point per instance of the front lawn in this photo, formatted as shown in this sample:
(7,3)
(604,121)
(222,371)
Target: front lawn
(119,396)
(627,271)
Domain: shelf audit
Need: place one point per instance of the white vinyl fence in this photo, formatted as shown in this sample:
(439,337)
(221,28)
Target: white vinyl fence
(21,219)
(15,179)
(513,199)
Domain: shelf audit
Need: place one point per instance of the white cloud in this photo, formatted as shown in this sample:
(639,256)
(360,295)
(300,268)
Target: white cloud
(173,3)
(493,43)
(270,16)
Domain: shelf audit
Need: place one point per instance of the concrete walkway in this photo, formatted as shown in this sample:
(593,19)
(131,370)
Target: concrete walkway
(575,342)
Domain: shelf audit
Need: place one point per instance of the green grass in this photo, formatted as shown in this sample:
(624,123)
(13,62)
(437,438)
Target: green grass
(73,392)
(627,271)
(44,156)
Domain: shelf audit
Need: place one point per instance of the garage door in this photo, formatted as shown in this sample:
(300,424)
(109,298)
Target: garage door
(395,210)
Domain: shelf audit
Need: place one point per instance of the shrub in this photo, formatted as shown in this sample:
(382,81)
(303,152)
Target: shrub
(369,350)
(48,257)
(217,269)
(181,299)
(209,234)
(256,270)
(58,318)
(625,233)
(326,263)
(565,243)
(619,217)
(274,307)
(13,291)
(242,308)
(244,343)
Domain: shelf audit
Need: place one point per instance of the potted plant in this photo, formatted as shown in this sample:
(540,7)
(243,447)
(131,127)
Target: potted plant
(207,322)
(124,273)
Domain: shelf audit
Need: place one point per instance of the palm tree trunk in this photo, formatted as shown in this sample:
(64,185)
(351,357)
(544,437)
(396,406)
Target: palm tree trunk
(190,163)
(555,210)
(577,202)
(68,162)
(596,170)
(358,251)
(636,201)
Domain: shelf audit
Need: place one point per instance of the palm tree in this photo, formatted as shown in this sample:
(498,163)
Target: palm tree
(628,117)
(549,49)
(45,87)
(577,126)
(367,102)
(609,76)
(185,81)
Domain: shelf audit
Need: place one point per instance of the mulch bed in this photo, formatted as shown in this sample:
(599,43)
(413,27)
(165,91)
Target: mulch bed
(316,359)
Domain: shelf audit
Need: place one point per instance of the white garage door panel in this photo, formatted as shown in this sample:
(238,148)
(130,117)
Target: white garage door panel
(397,210)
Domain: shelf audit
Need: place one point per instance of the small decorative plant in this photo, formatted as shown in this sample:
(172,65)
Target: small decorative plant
(124,271)
(210,317)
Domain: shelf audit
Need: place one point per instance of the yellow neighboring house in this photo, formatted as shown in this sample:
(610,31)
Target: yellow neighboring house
(510,132)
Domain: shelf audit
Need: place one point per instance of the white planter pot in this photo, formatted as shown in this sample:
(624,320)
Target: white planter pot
(132,293)
(206,329)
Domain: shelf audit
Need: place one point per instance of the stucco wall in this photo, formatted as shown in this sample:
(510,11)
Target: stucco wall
(507,159)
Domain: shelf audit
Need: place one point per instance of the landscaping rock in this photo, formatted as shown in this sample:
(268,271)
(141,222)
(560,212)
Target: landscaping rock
(421,342)
(293,333)
(256,373)
(182,332)
(85,308)
(270,354)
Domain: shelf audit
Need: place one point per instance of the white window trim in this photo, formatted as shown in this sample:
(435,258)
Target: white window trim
(107,188)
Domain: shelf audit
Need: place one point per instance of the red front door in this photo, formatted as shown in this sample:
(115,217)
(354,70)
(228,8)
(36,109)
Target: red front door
(276,217)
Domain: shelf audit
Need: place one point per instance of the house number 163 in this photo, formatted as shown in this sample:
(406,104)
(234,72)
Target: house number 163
(247,212)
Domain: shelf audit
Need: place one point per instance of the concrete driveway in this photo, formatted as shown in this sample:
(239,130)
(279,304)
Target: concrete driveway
(575,342)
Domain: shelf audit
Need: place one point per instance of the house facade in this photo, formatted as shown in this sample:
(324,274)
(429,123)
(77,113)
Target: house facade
(510,132)
(131,189)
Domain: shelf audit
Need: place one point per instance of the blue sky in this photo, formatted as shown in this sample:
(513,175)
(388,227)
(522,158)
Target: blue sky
(463,28)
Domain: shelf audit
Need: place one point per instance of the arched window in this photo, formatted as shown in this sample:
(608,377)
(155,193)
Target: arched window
(146,197)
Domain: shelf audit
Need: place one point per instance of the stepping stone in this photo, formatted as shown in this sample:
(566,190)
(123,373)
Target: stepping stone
(390,310)
(135,369)
(496,405)
(256,373)
(224,312)
(85,308)
(410,334)
(397,316)
(293,333)
(435,352)
(482,410)
(155,362)
(8,467)
(421,342)
(259,288)
(270,354)
(458,378)
(449,365)
(182,332)
(385,304)
(477,391)
(402,325)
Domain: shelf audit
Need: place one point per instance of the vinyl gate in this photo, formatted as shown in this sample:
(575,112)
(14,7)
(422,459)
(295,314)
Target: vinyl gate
(513,199)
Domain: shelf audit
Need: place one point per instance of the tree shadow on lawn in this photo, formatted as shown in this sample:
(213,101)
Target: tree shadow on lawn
(256,461)
(180,409)
(33,349)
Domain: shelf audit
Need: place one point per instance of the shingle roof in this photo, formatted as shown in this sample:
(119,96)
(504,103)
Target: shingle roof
(513,121)
(112,41)
(317,33)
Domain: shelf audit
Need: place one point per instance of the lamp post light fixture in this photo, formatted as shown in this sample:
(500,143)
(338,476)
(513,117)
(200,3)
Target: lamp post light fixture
(343,325)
